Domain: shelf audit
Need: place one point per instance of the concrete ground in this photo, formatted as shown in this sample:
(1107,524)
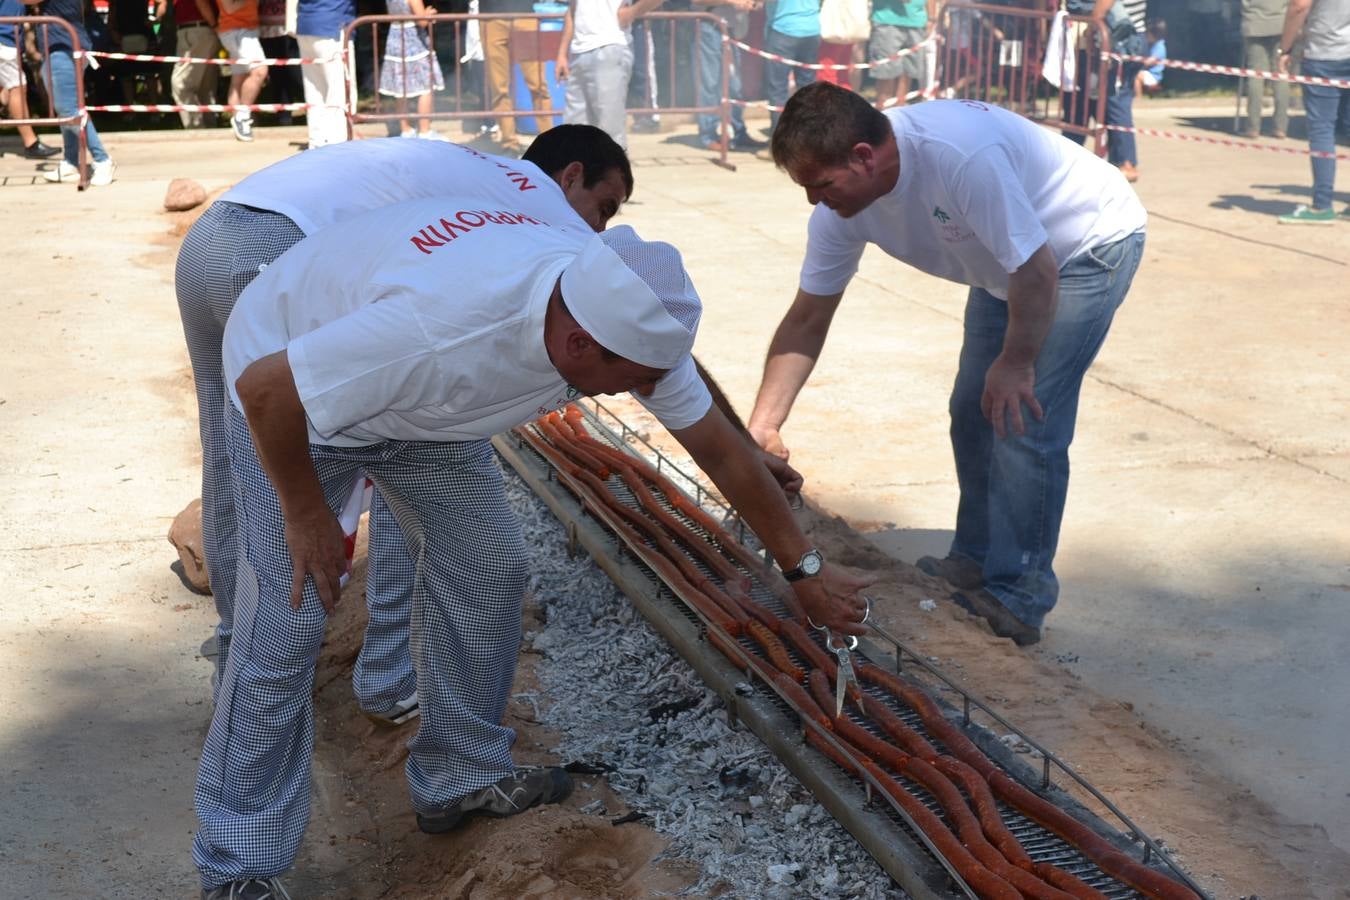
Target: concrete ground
(1204,555)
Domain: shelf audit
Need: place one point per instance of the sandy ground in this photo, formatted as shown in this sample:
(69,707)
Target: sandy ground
(1193,668)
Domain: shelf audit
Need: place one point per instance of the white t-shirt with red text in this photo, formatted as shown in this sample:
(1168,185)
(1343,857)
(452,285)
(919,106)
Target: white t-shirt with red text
(333,183)
(424,321)
(980,190)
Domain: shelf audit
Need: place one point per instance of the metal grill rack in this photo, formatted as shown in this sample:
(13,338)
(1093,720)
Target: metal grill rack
(883,828)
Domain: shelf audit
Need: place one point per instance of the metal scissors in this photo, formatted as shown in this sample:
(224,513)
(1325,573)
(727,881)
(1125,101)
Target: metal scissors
(844,671)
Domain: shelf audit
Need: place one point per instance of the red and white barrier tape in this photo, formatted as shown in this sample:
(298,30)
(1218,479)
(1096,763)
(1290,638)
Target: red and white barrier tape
(201,107)
(831,67)
(1212,69)
(145,57)
(1229,142)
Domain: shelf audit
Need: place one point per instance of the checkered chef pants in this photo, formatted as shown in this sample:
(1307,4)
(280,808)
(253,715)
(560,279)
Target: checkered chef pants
(221,255)
(253,784)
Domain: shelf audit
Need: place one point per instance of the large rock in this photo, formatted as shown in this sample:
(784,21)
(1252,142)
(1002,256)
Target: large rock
(186,534)
(184,194)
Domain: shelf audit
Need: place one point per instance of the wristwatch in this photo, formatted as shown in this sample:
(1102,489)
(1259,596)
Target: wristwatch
(1280,51)
(809,565)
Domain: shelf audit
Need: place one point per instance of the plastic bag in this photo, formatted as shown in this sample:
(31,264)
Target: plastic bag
(845,21)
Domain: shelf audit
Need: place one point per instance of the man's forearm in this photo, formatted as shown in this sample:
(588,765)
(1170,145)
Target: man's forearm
(276,419)
(1032,298)
(719,398)
(793,352)
(1294,17)
(735,468)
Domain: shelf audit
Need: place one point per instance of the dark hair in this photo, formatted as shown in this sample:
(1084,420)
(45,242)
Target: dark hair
(597,152)
(822,122)
(1157,28)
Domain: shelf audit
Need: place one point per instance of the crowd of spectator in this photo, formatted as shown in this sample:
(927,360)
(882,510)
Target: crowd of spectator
(596,60)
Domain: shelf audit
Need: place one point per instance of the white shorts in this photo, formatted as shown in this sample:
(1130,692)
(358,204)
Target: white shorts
(1148,78)
(243,43)
(9,67)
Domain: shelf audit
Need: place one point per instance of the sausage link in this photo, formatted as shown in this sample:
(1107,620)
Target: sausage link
(774,649)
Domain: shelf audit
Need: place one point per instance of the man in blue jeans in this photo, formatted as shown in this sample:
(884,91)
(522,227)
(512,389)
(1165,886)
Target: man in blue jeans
(1046,235)
(736,15)
(792,32)
(1325,25)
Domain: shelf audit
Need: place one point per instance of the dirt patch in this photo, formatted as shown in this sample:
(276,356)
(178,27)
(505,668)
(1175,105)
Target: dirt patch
(373,848)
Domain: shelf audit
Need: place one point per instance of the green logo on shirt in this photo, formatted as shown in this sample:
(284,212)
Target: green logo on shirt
(940,215)
(572,393)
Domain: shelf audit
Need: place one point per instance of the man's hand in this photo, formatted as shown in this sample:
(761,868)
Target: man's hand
(1283,59)
(318,549)
(788,478)
(560,69)
(834,599)
(769,440)
(1006,388)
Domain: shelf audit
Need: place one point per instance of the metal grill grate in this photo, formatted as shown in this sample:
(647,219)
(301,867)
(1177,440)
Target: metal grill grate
(1040,844)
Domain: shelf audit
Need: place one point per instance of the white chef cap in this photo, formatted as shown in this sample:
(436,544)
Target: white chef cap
(633,297)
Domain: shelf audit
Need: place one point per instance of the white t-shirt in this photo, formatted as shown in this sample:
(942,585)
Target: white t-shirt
(595,24)
(424,321)
(980,190)
(332,183)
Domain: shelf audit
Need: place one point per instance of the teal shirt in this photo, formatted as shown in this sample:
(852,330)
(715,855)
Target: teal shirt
(796,18)
(901,13)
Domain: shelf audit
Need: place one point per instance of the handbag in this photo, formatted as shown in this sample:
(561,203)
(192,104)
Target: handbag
(845,21)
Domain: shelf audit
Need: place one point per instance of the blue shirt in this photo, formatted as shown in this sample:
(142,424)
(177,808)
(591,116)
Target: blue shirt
(324,18)
(9,8)
(70,10)
(796,18)
(1158,51)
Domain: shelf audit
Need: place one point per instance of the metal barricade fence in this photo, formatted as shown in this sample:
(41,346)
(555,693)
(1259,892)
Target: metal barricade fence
(996,54)
(79,116)
(534,44)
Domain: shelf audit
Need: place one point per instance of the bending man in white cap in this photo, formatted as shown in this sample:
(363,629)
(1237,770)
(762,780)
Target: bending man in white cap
(397,343)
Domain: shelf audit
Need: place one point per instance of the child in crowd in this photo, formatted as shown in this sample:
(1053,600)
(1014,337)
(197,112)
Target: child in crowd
(410,68)
(237,28)
(1149,80)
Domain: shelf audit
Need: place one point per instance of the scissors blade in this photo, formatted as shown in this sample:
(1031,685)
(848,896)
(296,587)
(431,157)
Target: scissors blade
(842,672)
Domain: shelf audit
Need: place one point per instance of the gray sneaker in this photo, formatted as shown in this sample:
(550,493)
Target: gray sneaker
(249,889)
(1000,618)
(958,571)
(243,127)
(527,786)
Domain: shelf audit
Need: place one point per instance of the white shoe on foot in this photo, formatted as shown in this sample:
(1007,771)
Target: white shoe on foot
(103,173)
(64,171)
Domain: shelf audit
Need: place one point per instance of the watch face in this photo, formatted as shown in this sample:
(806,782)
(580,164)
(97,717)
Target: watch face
(811,563)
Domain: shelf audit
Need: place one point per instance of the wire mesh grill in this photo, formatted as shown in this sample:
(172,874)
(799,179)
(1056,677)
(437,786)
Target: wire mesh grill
(1040,844)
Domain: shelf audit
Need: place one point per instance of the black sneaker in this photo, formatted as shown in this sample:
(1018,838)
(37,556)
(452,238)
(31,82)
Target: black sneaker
(958,571)
(39,150)
(1000,618)
(249,889)
(527,786)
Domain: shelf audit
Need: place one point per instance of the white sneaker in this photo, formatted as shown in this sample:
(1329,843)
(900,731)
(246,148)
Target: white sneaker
(409,133)
(103,173)
(64,171)
(432,136)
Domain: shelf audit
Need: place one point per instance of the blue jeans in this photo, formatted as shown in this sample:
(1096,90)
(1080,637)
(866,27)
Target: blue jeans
(60,69)
(802,49)
(1325,106)
(1120,145)
(710,83)
(1013,489)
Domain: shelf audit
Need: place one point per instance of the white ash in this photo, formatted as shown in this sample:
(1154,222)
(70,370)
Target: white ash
(719,794)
